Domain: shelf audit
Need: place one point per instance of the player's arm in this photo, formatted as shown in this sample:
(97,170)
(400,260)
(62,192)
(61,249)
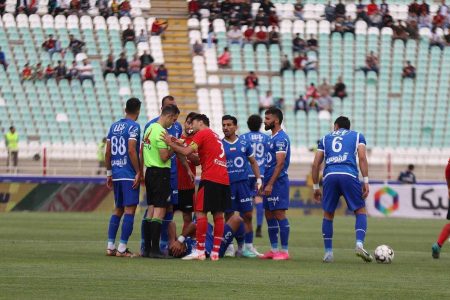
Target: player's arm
(186,151)
(165,154)
(193,158)
(280,157)
(141,159)
(185,165)
(108,164)
(176,246)
(318,159)
(255,169)
(132,153)
(364,167)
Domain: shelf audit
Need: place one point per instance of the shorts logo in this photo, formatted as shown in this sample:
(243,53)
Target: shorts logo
(246,200)
(389,193)
(273,199)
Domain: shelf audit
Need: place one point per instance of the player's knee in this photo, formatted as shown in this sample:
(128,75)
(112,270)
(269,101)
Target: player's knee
(360,211)
(234,222)
(248,216)
(328,216)
(119,211)
(280,214)
(130,210)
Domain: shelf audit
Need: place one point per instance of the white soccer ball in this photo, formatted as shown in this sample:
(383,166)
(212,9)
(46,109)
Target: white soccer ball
(384,254)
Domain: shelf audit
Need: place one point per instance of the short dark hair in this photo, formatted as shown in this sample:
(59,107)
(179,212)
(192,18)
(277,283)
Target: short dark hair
(276,112)
(230,117)
(201,117)
(411,167)
(170,110)
(133,105)
(166,98)
(11,128)
(190,116)
(343,122)
(254,122)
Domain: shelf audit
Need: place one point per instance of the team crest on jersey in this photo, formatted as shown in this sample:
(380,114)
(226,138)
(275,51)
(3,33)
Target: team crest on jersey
(133,131)
(243,149)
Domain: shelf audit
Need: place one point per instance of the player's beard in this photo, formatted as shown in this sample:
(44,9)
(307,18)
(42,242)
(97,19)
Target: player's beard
(269,126)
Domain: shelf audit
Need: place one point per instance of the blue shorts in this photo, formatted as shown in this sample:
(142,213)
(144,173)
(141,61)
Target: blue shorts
(279,199)
(228,236)
(241,197)
(335,186)
(174,189)
(124,194)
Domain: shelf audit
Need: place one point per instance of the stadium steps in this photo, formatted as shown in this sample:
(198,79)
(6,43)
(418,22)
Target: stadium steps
(169,9)
(177,54)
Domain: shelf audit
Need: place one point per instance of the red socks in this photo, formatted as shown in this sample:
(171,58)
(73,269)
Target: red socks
(202,226)
(445,233)
(218,233)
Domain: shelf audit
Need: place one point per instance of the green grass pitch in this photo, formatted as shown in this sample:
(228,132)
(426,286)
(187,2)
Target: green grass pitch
(61,256)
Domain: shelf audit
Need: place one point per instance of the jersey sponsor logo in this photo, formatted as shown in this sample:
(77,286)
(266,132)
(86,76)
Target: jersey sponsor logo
(220,163)
(119,162)
(238,162)
(337,159)
(118,128)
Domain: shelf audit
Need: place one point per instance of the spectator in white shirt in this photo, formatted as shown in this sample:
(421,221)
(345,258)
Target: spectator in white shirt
(85,71)
(265,102)
(235,35)
(142,37)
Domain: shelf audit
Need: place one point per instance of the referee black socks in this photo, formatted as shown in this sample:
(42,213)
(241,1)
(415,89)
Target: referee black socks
(156,225)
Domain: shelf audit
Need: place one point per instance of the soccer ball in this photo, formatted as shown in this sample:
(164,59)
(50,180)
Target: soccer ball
(384,254)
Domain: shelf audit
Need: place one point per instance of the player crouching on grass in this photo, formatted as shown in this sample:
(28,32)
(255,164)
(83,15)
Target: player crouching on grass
(123,174)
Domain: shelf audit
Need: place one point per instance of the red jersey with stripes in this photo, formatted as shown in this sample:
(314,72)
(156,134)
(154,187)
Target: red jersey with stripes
(184,182)
(447,172)
(212,156)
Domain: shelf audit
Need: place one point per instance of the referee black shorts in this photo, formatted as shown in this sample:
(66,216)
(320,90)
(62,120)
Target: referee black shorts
(185,201)
(157,185)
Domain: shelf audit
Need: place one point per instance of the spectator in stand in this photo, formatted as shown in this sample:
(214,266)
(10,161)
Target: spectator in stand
(273,19)
(330,14)
(51,45)
(325,103)
(340,89)
(438,21)
(135,65)
(446,37)
(310,63)
(372,8)
(298,10)
(298,44)
(299,61)
(424,20)
(371,64)
(109,65)
(349,25)
(128,35)
(409,71)
(414,8)
(146,59)
(248,36)
(251,82)
(234,35)
(26,7)
(225,8)
(387,20)
(384,7)
(412,29)
(142,38)
(274,37)
(3,59)
(443,9)
(279,103)
(121,65)
(197,48)
(399,32)
(162,73)
(285,64)
(38,72)
(2,7)
(74,6)
(265,102)
(115,8)
(261,18)
(266,6)
(194,8)
(301,104)
(340,10)
(148,73)
(261,38)
(436,40)
(158,27)
(246,18)
(312,43)
(339,26)
(60,71)
(73,71)
(27,72)
(224,59)
(125,9)
(75,45)
(325,88)
(85,5)
(312,95)
(51,7)
(86,72)
(49,72)
(361,12)
(407,176)
(424,7)
(103,8)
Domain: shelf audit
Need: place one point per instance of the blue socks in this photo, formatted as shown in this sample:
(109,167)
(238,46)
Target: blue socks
(259,214)
(127,228)
(327,233)
(165,231)
(249,237)
(272,229)
(284,233)
(360,227)
(239,235)
(114,223)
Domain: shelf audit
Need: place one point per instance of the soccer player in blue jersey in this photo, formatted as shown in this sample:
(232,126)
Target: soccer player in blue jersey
(260,145)
(276,185)
(175,130)
(340,149)
(239,153)
(123,174)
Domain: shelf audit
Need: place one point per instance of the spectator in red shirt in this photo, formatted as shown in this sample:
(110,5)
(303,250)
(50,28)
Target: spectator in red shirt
(27,72)
(125,8)
(148,73)
(51,45)
(409,71)
(193,8)
(273,19)
(248,36)
(261,37)
(414,8)
(49,72)
(224,59)
(438,20)
(159,26)
(251,82)
(298,61)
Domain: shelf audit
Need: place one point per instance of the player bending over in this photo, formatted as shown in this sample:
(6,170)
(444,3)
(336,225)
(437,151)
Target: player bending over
(123,174)
(445,233)
(214,190)
(276,185)
(260,145)
(339,149)
(239,153)
(184,245)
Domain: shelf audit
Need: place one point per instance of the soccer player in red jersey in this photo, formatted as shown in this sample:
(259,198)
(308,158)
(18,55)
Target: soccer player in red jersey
(445,232)
(214,190)
(186,186)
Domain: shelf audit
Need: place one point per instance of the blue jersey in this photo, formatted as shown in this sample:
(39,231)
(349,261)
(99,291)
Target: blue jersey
(340,149)
(260,145)
(175,130)
(119,134)
(278,143)
(237,154)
